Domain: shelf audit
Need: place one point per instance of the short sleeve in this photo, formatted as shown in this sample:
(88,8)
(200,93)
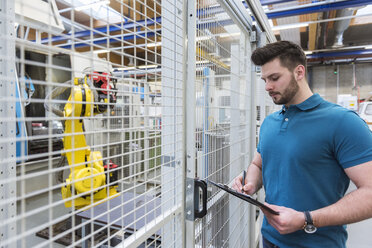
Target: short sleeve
(352,140)
(261,136)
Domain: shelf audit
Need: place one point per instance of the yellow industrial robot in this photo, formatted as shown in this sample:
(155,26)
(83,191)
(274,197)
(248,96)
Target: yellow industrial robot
(89,180)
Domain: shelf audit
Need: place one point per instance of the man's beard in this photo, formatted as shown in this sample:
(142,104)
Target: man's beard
(288,93)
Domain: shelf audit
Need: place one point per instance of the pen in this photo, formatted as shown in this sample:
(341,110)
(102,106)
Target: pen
(243,181)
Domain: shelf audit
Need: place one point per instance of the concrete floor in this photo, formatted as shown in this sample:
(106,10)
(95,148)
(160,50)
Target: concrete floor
(39,218)
(359,233)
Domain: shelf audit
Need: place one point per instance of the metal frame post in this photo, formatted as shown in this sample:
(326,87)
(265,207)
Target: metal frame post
(189,110)
(172,79)
(250,129)
(8,122)
(235,167)
(251,142)
(261,101)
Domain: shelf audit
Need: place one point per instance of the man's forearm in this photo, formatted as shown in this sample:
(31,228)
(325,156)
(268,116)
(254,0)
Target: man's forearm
(254,176)
(353,207)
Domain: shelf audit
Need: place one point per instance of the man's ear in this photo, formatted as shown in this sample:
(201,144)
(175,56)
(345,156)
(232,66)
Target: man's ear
(299,72)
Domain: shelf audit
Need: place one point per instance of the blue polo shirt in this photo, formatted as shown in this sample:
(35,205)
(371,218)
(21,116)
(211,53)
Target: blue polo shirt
(305,149)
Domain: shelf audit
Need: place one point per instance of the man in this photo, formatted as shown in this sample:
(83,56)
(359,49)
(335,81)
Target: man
(306,156)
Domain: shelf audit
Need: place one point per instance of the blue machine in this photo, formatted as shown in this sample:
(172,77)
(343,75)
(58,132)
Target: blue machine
(141,91)
(24,93)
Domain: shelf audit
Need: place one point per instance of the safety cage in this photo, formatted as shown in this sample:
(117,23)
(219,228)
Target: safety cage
(115,114)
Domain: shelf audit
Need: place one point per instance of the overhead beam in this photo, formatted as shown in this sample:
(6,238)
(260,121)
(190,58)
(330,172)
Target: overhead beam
(321,7)
(355,54)
(329,20)
(297,9)
(270,2)
(105,40)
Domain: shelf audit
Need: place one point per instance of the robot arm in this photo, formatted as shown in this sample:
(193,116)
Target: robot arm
(88,177)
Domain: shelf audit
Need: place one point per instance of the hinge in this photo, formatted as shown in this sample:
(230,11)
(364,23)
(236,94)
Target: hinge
(253,37)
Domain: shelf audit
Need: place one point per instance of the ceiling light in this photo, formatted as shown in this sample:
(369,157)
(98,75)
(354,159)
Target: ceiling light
(226,59)
(199,38)
(308,52)
(202,61)
(224,35)
(147,66)
(154,44)
(125,68)
(92,5)
(289,26)
(368,47)
(101,51)
(214,5)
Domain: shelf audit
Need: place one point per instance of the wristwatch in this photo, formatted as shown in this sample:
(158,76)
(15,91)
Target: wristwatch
(309,225)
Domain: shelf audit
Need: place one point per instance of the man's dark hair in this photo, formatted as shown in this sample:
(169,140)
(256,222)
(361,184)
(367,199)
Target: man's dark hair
(289,54)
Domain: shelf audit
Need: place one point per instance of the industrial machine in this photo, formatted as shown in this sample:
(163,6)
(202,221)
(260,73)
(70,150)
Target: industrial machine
(90,180)
(365,112)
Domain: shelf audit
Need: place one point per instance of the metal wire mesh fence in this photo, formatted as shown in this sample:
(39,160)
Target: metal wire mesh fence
(92,164)
(95,106)
(222,123)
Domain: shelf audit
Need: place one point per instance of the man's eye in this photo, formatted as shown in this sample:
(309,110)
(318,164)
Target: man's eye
(275,78)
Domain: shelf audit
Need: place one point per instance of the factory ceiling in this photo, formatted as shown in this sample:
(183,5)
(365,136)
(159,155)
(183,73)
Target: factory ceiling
(330,31)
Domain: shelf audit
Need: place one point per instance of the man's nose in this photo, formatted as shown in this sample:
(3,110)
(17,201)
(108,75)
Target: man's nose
(269,86)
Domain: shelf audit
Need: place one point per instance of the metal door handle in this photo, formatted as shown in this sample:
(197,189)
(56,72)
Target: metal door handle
(200,184)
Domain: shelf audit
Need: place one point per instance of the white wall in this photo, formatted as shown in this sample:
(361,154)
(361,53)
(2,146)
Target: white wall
(322,80)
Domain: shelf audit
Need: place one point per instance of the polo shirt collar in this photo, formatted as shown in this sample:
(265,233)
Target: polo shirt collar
(309,103)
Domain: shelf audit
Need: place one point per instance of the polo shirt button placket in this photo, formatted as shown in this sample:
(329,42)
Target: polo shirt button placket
(284,125)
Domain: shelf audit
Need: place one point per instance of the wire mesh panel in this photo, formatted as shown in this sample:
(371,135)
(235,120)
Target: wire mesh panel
(91,123)
(223,123)
(95,124)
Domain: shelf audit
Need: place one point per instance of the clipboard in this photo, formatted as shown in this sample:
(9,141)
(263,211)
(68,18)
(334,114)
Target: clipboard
(244,197)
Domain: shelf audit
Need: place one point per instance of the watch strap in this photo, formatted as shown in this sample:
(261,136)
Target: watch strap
(308,218)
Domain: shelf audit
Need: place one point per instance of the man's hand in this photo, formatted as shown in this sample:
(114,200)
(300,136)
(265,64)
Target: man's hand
(248,187)
(253,179)
(288,221)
